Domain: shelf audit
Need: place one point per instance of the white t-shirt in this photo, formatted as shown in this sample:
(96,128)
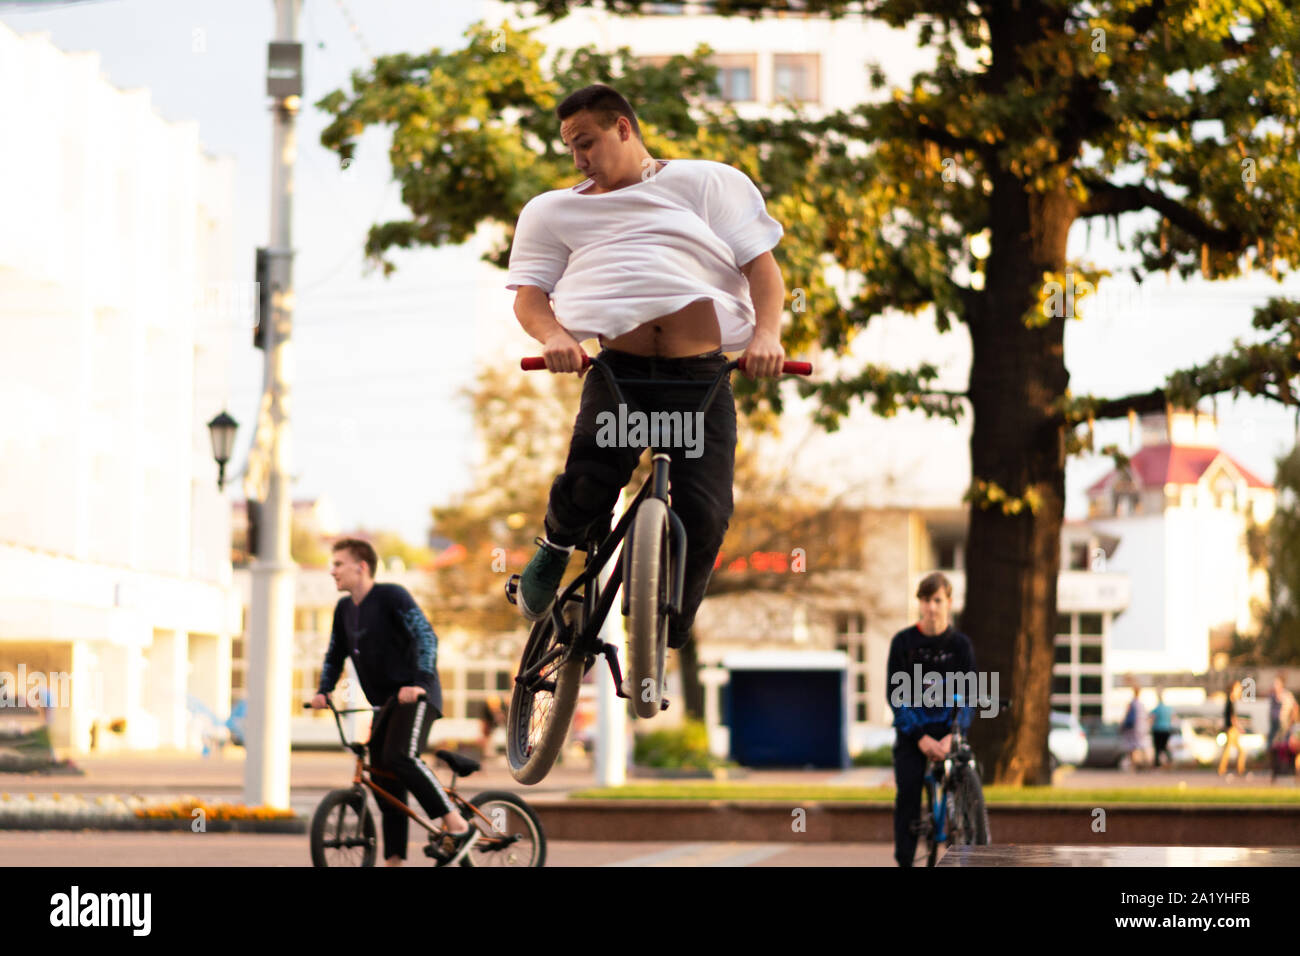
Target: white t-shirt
(613,261)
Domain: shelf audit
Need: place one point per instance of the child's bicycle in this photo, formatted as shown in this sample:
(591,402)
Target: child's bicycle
(564,645)
(343,826)
(954,812)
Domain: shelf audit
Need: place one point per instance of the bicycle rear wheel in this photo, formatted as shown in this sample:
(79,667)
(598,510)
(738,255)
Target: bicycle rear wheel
(541,708)
(343,830)
(504,815)
(647,623)
(928,839)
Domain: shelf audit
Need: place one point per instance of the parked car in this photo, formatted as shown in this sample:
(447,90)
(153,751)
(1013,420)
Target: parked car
(1105,745)
(1066,741)
(1205,739)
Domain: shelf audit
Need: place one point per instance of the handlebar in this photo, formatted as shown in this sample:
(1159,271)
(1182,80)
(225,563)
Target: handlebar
(357,748)
(536,363)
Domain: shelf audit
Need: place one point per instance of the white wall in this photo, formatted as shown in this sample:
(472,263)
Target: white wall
(108,368)
(113,538)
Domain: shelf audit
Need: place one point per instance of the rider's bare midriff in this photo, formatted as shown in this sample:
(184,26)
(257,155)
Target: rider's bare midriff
(689,331)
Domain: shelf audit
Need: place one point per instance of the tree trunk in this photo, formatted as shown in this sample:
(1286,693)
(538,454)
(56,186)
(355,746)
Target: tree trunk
(1012,560)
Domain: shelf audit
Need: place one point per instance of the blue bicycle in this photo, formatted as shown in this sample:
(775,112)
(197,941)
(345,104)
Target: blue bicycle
(955,814)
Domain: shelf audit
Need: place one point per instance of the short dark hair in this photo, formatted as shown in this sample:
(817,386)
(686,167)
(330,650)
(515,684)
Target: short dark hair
(932,583)
(360,551)
(604,102)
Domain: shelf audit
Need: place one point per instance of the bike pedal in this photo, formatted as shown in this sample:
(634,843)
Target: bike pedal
(512,589)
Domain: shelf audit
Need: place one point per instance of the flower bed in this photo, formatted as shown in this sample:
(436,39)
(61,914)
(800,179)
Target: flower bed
(130,812)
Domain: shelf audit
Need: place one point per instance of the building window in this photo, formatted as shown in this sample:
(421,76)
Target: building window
(795,77)
(1090,711)
(1060,683)
(736,73)
(1089,653)
(1063,624)
(1062,652)
(1079,556)
(862,712)
(948,555)
(1090,624)
(1089,684)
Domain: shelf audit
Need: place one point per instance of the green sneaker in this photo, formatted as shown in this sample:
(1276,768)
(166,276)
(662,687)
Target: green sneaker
(541,579)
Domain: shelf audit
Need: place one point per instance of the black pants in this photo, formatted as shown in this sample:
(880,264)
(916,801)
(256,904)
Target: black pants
(909,772)
(699,487)
(1161,740)
(397,736)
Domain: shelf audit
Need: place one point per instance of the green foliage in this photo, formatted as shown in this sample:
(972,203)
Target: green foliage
(678,748)
(880,757)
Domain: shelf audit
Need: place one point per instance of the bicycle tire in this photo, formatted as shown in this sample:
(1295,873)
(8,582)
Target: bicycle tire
(506,812)
(970,815)
(539,719)
(647,625)
(931,851)
(343,817)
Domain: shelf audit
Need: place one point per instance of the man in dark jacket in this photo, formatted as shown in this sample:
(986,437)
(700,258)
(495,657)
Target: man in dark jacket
(395,653)
(930,650)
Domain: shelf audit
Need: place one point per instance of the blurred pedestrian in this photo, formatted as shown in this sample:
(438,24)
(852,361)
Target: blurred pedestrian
(1276,704)
(1283,727)
(1232,731)
(493,717)
(1162,727)
(1133,728)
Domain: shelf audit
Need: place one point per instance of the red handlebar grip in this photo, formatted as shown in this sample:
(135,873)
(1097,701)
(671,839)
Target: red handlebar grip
(787,368)
(536,363)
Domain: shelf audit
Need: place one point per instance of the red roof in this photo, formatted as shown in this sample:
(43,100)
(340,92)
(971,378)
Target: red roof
(1158,465)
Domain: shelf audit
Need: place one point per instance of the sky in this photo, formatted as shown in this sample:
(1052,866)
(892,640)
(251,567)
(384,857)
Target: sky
(379,424)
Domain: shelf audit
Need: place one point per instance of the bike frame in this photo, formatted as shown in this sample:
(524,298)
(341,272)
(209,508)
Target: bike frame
(939,785)
(362,777)
(596,605)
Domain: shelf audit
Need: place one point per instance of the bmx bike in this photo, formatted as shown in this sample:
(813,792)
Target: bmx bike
(343,826)
(564,645)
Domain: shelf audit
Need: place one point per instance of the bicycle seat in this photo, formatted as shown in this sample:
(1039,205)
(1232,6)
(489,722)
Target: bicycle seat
(460,765)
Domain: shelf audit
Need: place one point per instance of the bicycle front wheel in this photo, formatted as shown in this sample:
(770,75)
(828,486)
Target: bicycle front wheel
(511,833)
(542,706)
(343,830)
(970,816)
(647,621)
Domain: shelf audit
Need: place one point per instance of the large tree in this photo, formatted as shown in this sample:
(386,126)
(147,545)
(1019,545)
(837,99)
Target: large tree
(1037,116)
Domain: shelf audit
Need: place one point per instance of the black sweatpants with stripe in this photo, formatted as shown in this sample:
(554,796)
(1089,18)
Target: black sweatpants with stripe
(397,737)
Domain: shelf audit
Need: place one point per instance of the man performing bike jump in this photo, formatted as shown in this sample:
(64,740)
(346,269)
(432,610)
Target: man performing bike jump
(668,264)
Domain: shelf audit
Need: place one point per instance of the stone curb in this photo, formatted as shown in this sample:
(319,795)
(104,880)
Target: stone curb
(148,824)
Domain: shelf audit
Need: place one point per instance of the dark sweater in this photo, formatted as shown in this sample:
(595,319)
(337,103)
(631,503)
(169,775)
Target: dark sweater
(390,643)
(947,653)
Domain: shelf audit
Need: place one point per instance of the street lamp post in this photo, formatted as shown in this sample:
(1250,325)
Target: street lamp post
(270,646)
(222,432)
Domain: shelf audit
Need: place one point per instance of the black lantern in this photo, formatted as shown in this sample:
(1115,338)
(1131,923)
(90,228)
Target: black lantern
(222,429)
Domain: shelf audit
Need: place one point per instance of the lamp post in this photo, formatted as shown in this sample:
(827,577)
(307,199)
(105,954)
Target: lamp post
(222,431)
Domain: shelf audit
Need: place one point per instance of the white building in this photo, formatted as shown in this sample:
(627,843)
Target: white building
(1181,511)
(114,541)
